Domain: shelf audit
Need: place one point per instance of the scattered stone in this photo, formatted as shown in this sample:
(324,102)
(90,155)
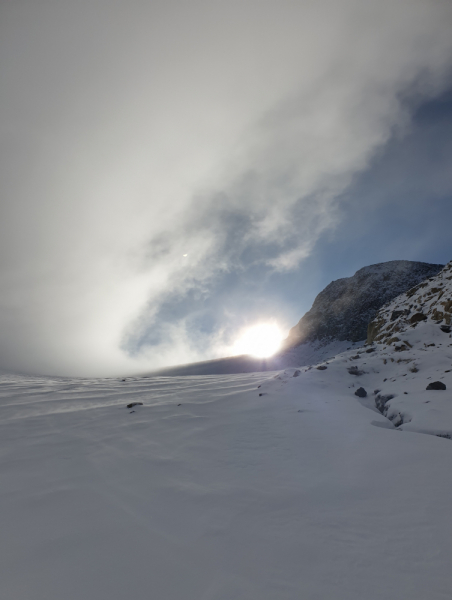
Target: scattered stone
(436,385)
(361,392)
(296,373)
(261,394)
(369,350)
(132,404)
(179,405)
(376,392)
(405,393)
(321,367)
(446,328)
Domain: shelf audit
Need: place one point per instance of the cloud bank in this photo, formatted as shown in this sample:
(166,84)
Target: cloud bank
(135,134)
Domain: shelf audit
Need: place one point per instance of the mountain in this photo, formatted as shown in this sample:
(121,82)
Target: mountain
(405,369)
(344,308)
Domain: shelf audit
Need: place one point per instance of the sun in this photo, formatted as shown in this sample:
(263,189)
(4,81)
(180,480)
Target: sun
(261,340)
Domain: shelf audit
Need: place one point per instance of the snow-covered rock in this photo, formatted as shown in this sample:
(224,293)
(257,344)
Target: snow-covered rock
(429,301)
(344,308)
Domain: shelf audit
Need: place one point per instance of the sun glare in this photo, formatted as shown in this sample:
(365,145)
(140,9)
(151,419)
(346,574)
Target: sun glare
(261,341)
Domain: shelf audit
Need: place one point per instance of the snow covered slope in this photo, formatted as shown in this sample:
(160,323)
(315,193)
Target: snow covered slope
(344,308)
(253,487)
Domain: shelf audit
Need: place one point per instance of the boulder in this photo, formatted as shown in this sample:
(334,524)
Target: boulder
(361,392)
(436,385)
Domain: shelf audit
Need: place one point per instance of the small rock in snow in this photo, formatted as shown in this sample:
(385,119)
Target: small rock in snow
(132,404)
(321,367)
(436,385)
(296,373)
(361,392)
(355,371)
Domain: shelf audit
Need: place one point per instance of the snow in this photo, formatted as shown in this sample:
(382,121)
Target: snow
(217,489)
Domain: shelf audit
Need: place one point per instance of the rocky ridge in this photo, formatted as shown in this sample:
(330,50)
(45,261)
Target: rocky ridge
(428,302)
(344,308)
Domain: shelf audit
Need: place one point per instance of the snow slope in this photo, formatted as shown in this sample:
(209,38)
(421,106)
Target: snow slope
(218,489)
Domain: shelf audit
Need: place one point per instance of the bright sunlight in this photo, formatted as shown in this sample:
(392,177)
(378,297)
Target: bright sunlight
(261,340)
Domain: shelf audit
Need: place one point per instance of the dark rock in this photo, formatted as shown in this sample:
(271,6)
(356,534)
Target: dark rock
(436,385)
(446,328)
(296,373)
(261,394)
(376,392)
(321,368)
(361,392)
(355,371)
(370,350)
(179,405)
(400,348)
(417,318)
(132,404)
(396,314)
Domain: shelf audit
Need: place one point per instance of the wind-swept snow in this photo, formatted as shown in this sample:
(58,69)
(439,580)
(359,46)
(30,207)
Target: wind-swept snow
(217,489)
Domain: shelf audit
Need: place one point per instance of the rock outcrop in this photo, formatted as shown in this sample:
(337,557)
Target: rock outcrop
(344,308)
(428,302)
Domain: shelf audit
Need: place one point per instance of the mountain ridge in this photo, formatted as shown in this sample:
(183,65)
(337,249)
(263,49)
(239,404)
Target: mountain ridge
(343,310)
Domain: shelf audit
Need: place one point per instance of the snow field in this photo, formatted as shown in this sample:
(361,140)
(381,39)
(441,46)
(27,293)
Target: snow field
(210,491)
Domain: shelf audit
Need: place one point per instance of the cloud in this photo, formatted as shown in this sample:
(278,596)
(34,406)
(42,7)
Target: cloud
(228,132)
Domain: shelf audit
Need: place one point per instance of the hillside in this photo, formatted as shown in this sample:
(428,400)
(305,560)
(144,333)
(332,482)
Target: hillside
(344,308)
(405,369)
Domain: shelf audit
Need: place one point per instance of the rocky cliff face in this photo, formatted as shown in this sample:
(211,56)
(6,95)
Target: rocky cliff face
(428,303)
(343,310)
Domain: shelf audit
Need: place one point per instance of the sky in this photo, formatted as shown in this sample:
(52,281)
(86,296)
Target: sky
(172,173)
